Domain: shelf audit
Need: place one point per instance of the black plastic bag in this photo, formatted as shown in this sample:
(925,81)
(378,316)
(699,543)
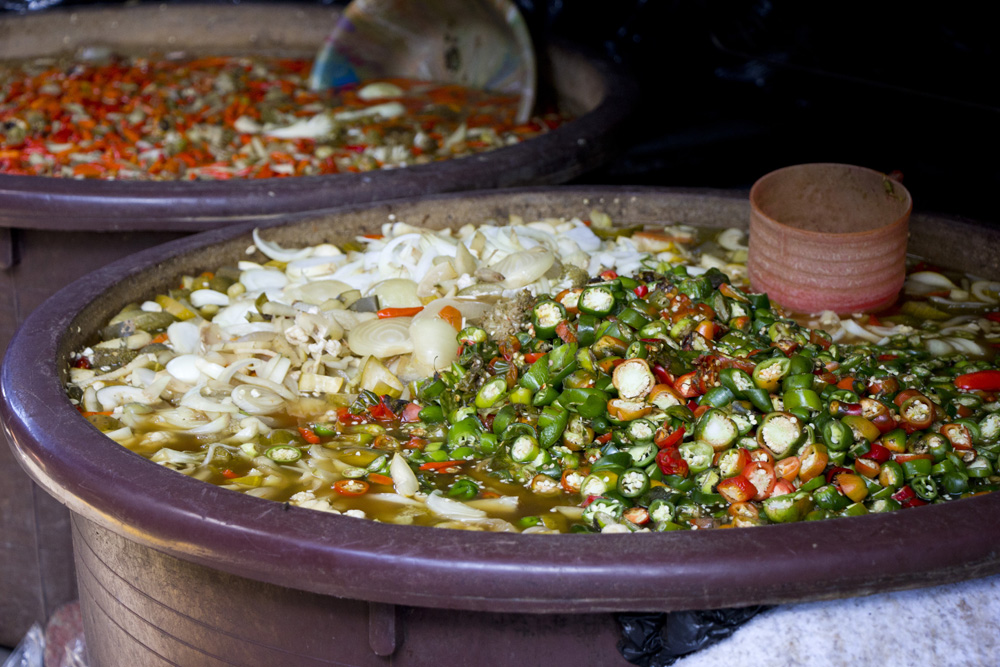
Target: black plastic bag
(658,640)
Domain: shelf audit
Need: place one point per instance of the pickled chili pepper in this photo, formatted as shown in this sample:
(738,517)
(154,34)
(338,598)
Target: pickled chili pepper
(985,380)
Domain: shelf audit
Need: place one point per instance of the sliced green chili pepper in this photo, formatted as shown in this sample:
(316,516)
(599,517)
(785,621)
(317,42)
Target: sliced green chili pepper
(979,468)
(698,455)
(737,381)
(829,497)
(536,375)
(546,316)
(587,402)
(916,467)
(633,318)
(717,429)
(551,425)
(586,327)
(769,373)
(432,414)
(283,454)
(924,487)
(491,392)
(781,433)
(718,397)
(633,483)
(596,300)
(787,508)
(524,449)
(464,434)
(837,435)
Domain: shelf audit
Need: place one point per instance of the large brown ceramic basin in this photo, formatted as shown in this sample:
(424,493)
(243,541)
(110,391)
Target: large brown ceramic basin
(174,571)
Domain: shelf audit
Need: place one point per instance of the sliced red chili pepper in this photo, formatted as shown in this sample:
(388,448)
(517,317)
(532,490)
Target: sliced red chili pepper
(604,438)
(229,474)
(442,466)
(878,453)
(671,462)
(737,489)
(381,411)
(662,374)
(958,435)
(410,413)
(351,487)
(761,474)
(565,332)
(610,274)
(637,515)
(386,313)
(993,317)
(689,385)
(532,357)
(309,435)
(834,471)
(641,291)
(665,438)
(345,416)
(988,380)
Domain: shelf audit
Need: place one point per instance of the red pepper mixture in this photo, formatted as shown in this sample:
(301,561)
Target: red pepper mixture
(212,118)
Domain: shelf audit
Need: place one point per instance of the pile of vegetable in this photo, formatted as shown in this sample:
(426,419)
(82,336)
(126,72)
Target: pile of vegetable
(136,118)
(669,398)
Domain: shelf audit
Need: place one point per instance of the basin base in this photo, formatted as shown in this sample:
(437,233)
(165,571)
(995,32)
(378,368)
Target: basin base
(143,608)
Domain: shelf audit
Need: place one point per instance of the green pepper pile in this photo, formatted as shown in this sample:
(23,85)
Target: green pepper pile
(672,401)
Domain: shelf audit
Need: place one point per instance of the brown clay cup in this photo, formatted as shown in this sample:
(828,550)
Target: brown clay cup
(828,237)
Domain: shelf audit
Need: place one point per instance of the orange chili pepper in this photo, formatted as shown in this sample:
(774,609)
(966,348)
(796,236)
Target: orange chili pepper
(386,313)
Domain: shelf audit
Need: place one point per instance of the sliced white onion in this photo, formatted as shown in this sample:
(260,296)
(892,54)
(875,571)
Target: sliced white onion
(167,455)
(184,368)
(932,280)
(285,390)
(256,400)
(310,128)
(503,504)
(205,297)
(436,275)
(394,498)
(184,337)
(965,345)
(435,345)
(315,266)
(381,337)
(256,280)
(986,290)
(471,309)
(317,292)
(276,252)
(227,375)
(194,399)
(452,509)
(397,293)
(215,426)
(379,90)
(404,481)
(349,319)
(938,347)
(732,239)
(525,267)
(386,110)
(852,327)
(114,395)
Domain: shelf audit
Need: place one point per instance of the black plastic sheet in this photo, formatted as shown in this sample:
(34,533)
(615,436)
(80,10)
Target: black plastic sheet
(658,640)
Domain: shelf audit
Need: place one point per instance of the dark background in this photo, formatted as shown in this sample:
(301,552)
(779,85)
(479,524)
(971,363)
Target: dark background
(732,90)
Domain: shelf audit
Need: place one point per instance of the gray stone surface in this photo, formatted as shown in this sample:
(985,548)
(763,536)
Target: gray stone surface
(946,626)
